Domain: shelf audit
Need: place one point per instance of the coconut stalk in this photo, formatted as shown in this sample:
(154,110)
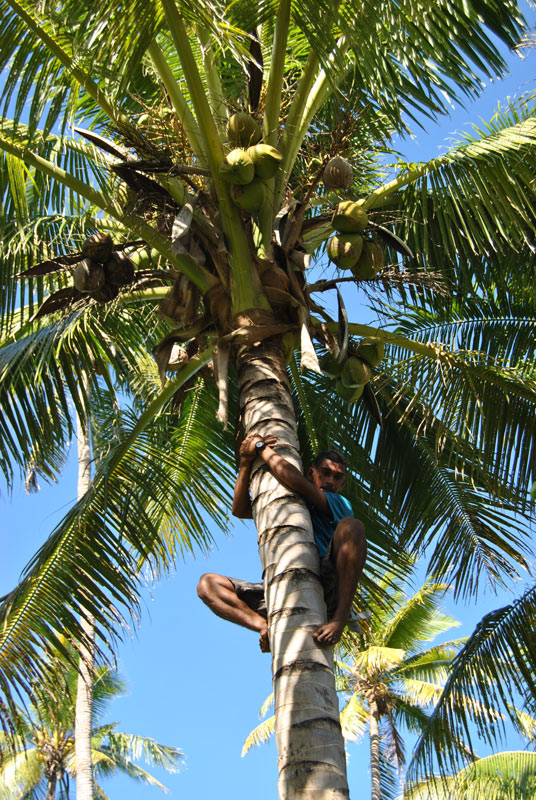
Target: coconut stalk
(86,665)
(312,762)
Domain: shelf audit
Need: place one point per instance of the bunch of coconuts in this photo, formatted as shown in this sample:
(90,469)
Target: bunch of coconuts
(249,164)
(349,249)
(355,371)
(103,270)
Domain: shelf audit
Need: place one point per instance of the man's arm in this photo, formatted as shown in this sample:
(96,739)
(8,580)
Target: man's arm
(293,479)
(241,500)
(284,471)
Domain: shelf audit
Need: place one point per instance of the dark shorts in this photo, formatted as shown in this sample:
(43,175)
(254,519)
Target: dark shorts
(252,594)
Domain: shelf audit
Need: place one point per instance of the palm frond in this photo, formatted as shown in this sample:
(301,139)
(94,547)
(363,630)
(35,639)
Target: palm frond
(418,619)
(123,512)
(260,734)
(509,774)
(497,657)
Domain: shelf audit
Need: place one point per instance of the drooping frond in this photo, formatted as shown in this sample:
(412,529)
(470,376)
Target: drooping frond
(154,477)
(498,658)
(419,619)
(260,734)
(511,774)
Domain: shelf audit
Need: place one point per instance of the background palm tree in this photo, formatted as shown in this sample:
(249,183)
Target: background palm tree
(156,93)
(41,759)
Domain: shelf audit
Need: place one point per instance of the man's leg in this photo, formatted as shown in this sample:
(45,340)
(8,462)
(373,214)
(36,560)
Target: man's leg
(348,552)
(219,594)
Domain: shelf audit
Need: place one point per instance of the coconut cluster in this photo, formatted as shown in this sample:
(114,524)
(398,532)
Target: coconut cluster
(249,164)
(103,270)
(350,248)
(355,371)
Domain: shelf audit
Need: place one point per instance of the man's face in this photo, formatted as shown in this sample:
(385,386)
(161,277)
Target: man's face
(328,475)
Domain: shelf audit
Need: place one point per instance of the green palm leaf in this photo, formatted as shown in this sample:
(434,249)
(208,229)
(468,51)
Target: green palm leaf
(488,670)
(502,776)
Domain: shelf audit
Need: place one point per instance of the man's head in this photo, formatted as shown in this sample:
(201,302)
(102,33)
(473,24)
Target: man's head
(328,471)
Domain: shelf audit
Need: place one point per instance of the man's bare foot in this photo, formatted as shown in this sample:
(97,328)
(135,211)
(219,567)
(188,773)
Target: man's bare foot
(264,642)
(329,634)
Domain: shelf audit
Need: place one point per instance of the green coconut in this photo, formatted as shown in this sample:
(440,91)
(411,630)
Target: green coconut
(370,262)
(242,130)
(370,350)
(345,250)
(329,365)
(355,372)
(350,217)
(237,167)
(147,258)
(119,269)
(98,247)
(249,197)
(88,276)
(265,160)
(349,393)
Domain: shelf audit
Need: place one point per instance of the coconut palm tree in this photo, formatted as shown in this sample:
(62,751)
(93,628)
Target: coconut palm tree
(200,251)
(41,757)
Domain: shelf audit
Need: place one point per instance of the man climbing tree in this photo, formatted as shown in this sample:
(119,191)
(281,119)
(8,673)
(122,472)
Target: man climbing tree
(338,537)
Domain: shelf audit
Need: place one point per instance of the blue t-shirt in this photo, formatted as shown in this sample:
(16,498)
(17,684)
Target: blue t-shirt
(324,526)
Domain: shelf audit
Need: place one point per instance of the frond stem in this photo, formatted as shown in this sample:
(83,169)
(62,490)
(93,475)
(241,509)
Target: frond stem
(357,329)
(215,91)
(181,107)
(275,78)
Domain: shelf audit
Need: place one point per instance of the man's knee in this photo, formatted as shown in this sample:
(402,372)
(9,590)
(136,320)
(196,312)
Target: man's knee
(351,530)
(207,588)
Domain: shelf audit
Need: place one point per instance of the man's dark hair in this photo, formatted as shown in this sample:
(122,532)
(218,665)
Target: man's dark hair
(332,455)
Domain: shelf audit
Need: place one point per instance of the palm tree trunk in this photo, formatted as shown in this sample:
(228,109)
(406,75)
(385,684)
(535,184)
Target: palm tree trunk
(374,750)
(312,762)
(84,691)
(51,788)
(52,780)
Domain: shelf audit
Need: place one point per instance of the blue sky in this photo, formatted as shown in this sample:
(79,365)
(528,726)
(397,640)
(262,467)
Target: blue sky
(195,681)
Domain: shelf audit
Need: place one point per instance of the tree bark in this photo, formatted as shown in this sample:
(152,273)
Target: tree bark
(374,750)
(84,691)
(312,761)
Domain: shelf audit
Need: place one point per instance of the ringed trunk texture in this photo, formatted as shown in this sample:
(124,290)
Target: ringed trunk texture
(312,761)
(84,691)
(374,750)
